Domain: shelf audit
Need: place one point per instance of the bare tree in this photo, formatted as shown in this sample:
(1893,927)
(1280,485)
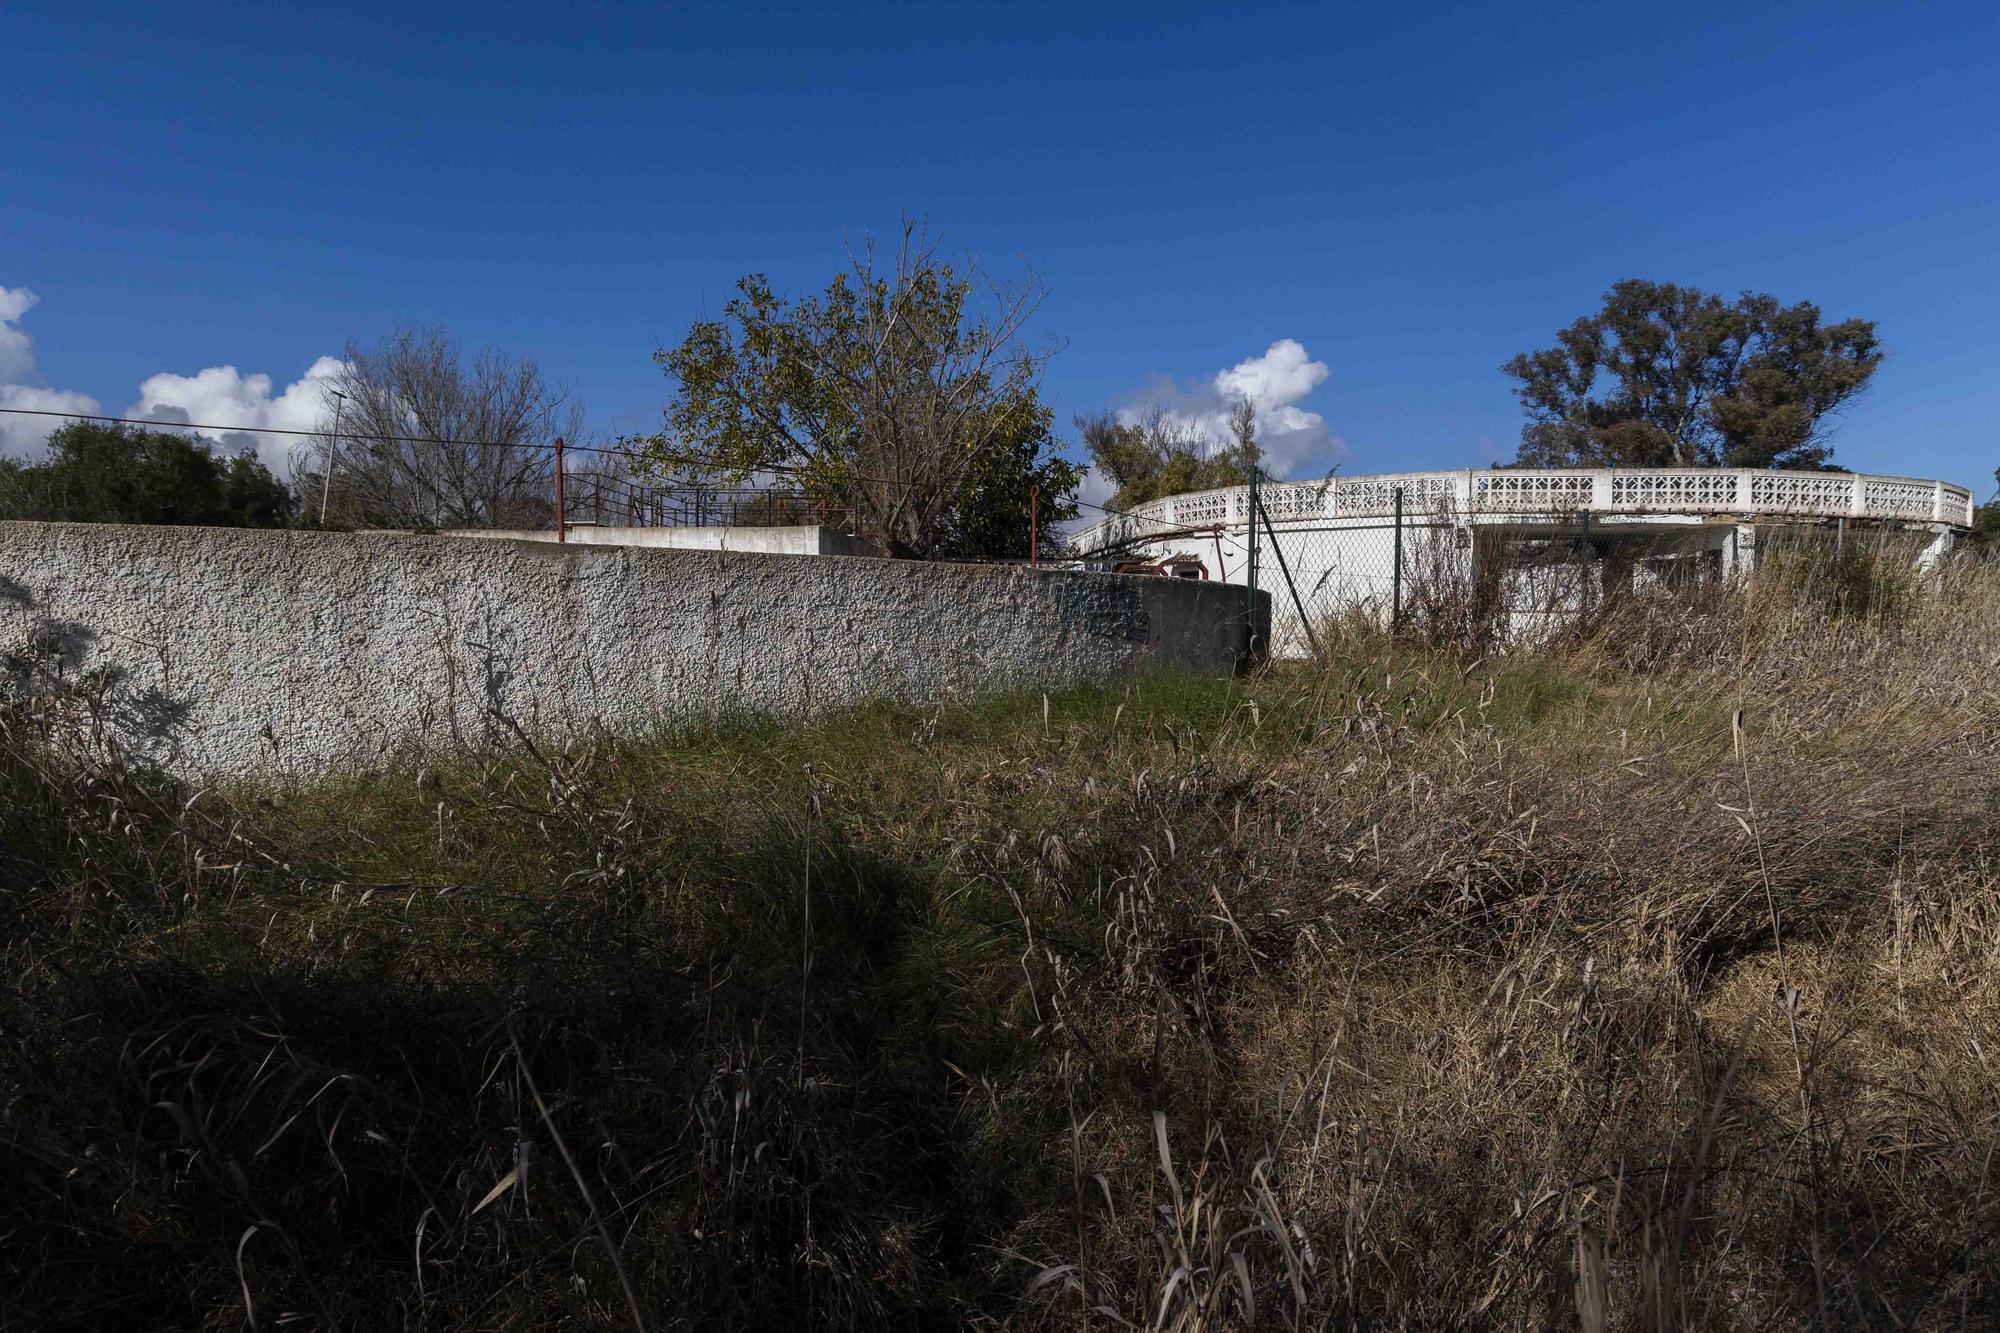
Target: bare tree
(431,438)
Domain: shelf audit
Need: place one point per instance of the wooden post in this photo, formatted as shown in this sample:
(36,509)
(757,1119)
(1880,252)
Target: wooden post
(562,527)
(1034,503)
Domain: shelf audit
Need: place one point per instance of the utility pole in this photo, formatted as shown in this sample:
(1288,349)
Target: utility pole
(1034,504)
(332,452)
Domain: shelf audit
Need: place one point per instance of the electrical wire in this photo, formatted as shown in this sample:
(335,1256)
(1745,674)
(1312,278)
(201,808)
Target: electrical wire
(684,459)
(171,426)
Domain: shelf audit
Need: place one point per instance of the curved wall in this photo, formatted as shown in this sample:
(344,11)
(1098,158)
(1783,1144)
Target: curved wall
(1748,494)
(1341,544)
(245,651)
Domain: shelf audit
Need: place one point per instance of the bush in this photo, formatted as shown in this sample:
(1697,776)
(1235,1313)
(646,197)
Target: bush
(98,473)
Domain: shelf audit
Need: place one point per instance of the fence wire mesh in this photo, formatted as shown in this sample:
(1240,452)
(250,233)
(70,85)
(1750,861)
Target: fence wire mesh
(1445,571)
(1485,556)
(1453,574)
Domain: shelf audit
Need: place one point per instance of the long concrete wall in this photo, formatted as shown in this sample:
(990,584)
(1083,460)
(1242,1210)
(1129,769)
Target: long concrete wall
(242,651)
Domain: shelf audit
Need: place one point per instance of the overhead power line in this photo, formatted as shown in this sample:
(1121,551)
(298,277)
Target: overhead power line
(310,434)
(689,460)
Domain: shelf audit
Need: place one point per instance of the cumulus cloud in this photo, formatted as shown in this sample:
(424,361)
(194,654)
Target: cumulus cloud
(1280,377)
(1092,493)
(226,397)
(21,387)
(17,349)
(21,437)
(221,397)
(1295,439)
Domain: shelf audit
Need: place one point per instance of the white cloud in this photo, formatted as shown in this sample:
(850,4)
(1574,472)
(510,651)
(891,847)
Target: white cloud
(21,437)
(17,349)
(1294,438)
(1093,492)
(224,396)
(1279,378)
(20,387)
(220,396)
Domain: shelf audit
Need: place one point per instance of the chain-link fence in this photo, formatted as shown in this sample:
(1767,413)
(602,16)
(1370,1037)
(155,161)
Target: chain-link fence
(1480,579)
(1481,557)
(1446,572)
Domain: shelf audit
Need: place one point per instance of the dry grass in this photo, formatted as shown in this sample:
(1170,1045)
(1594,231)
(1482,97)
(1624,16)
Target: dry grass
(1646,979)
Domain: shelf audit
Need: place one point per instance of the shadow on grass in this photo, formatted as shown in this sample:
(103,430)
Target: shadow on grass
(324,1129)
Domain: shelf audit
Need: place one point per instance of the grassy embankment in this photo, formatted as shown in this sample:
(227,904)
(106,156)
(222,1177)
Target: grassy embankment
(1649,979)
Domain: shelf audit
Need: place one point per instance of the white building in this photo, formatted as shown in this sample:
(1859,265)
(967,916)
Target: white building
(1374,543)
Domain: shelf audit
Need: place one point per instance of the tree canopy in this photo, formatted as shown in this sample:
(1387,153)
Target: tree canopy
(1985,534)
(433,436)
(98,472)
(1164,455)
(1672,376)
(989,519)
(904,391)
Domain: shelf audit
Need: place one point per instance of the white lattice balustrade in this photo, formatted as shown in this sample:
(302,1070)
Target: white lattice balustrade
(1673,489)
(1801,493)
(1531,492)
(1747,494)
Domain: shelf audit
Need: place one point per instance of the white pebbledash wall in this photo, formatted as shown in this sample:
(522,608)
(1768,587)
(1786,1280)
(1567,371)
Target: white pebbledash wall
(241,651)
(802,539)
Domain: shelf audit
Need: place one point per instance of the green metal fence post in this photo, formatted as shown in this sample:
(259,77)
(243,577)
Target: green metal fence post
(1396,581)
(1591,574)
(1250,590)
(1285,570)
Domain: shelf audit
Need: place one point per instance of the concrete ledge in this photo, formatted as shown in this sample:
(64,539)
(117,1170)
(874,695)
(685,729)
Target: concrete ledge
(801,539)
(237,651)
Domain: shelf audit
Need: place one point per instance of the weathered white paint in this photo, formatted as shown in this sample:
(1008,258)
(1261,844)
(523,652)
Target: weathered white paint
(245,651)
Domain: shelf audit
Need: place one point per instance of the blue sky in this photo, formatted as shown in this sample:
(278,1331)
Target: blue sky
(1410,194)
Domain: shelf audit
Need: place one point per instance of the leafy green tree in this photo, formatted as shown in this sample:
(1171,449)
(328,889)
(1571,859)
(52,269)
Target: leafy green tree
(1985,534)
(1163,455)
(1670,376)
(902,391)
(106,473)
(990,518)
